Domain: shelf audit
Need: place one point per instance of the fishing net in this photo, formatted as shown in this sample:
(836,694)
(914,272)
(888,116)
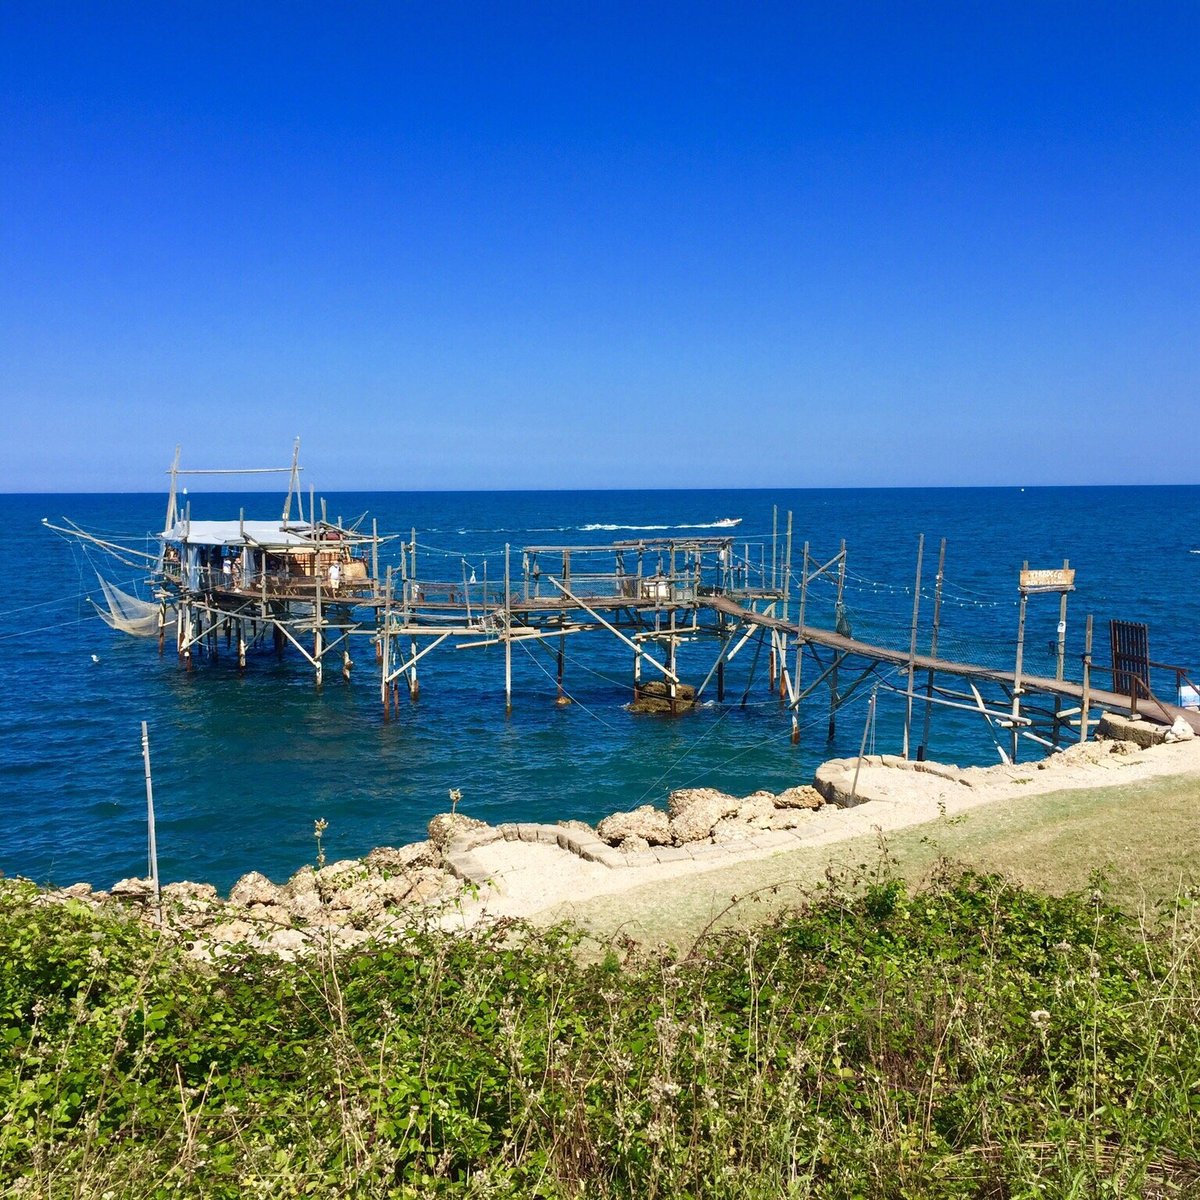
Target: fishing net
(129,614)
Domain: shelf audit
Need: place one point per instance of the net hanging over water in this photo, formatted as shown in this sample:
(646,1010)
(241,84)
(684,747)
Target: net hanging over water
(129,614)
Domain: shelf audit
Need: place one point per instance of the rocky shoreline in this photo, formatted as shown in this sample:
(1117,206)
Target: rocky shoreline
(447,879)
(346,903)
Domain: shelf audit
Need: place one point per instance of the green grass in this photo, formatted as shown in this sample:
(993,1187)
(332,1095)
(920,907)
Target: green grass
(972,1038)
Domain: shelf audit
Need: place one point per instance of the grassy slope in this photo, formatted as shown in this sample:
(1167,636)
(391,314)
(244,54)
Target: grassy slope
(1143,838)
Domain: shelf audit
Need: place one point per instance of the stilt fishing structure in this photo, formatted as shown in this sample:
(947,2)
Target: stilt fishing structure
(324,588)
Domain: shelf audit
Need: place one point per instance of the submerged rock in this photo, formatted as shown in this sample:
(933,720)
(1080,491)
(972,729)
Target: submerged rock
(655,697)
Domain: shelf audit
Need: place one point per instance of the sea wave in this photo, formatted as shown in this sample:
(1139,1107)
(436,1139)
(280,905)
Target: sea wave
(723,523)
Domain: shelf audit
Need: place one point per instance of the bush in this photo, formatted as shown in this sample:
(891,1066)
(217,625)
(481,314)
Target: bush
(970,1039)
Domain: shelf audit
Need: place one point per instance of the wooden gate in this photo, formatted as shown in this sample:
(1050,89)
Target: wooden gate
(1130,659)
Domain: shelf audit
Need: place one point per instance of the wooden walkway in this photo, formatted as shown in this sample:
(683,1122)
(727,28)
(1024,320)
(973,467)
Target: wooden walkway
(1153,709)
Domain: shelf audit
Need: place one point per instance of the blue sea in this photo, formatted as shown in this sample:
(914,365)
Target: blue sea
(243,764)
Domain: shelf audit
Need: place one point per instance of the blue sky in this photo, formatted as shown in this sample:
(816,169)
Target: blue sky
(559,245)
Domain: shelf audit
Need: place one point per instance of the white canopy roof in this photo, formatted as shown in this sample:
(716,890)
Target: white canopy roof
(239,533)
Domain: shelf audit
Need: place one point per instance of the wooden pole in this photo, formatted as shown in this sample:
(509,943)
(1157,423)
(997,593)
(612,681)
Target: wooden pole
(923,748)
(507,633)
(1060,658)
(151,840)
(1086,699)
(723,635)
(801,610)
(1016,704)
(912,646)
(672,691)
(837,624)
(561,698)
(374,558)
(385,647)
(774,547)
(318,621)
(787,568)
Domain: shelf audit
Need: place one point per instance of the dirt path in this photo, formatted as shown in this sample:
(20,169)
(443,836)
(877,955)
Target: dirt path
(1071,806)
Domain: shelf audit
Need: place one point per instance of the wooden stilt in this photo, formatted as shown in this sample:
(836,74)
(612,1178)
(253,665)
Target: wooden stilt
(672,688)
(507,632)
(912,647)
(774,557)
(1086,701)
(838,622)
(787,572)
(801,612)
(1016,701)
(923,748)
(1060,657)
(318,626)
(723,634)
(383,647)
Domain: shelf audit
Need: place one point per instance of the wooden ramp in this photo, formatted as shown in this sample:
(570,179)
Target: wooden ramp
(1153,709)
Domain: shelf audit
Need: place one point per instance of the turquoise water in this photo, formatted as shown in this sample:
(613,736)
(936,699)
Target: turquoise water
(243,765)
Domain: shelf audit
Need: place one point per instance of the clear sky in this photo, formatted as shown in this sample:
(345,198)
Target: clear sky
(600,245)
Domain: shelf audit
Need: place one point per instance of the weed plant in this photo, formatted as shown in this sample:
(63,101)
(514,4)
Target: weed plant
(967,1039)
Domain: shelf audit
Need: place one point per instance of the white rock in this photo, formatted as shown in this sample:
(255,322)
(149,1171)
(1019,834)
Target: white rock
(805,796)
(254,888)
(445,827)
(1180,731)
(695,812)
(645,822)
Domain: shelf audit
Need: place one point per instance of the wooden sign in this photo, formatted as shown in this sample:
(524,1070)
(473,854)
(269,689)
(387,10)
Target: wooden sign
(1057,579)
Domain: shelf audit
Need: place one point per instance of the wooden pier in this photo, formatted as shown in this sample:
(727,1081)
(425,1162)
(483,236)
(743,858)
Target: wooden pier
(316,584)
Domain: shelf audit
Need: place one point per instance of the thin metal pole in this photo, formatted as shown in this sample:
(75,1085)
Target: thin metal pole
(862,747)
(152,842)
